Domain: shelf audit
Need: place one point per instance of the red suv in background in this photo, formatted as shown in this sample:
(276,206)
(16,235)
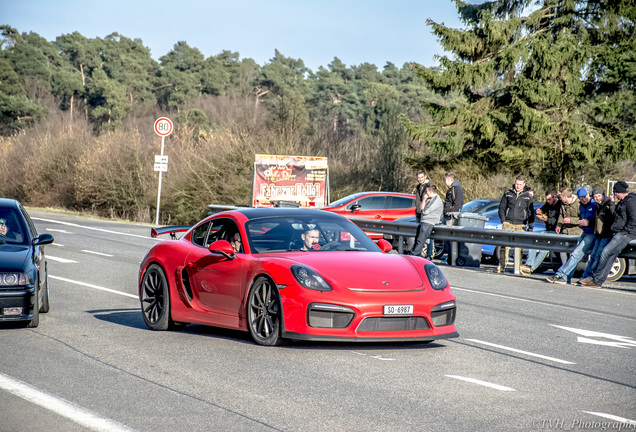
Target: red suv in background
(375,205)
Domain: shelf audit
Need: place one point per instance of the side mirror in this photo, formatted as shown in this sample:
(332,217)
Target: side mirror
(355,207)
(43,239)
(224,248)
(384,245)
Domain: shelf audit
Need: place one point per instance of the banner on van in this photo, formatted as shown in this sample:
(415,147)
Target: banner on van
(280,181)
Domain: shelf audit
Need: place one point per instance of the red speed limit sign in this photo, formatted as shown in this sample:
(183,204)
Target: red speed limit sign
(163,126)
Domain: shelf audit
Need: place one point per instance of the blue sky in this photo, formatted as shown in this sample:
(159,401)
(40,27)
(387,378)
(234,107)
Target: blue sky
(355,31)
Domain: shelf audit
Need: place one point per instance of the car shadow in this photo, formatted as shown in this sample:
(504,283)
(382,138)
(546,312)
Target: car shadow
(125,317)
(132,318)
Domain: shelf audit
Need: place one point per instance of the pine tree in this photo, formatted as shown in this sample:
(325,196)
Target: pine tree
(548,87)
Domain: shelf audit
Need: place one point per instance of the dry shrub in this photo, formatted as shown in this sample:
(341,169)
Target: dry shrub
(114,175)
(11,168)
(50,155)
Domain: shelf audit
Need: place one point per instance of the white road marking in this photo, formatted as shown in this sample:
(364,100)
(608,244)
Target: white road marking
(97,253)
(62,260)
(620,341)
(57,244)
(94,229)
(521,352)
(377,357)
(613,417)
(60,406)
(483,383)
(94,286)
(539,302)
(59,230)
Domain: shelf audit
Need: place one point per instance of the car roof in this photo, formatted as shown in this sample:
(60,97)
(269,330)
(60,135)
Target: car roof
(8,202)
(259,212)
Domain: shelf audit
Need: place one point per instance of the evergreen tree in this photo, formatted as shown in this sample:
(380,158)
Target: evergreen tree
(545,92)
(180,76)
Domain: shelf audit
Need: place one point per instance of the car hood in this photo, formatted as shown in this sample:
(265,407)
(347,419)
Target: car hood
(13,257)
(371,271)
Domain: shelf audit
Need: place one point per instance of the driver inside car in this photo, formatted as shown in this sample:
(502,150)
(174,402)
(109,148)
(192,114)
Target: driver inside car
(310,240)
(5,232)
(3,227)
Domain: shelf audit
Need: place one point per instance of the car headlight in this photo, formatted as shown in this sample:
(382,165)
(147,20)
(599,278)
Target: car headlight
(435,276)
(309,278)
(14,279)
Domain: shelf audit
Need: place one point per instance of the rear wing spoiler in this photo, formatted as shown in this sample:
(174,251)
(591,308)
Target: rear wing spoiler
(172,230)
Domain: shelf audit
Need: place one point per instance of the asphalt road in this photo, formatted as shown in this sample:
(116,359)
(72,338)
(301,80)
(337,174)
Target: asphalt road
(530,356)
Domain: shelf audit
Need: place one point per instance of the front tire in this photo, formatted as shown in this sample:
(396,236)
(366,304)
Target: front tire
(264,313)
(155,300)
(44,293)
(35,320)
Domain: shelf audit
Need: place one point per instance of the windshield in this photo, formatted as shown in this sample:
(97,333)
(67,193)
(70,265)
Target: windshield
(306,233)
(475,206)
(11,227)
(345,200)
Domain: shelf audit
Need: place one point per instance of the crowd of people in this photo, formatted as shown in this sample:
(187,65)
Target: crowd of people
(604,224)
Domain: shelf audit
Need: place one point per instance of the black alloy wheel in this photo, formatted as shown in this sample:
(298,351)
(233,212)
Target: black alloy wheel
(264,313)
(155,300)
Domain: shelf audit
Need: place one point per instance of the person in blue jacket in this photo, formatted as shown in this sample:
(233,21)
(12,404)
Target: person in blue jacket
(587,214)
(624,229)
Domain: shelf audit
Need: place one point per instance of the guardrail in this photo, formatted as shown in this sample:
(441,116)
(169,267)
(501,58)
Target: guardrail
(464,234)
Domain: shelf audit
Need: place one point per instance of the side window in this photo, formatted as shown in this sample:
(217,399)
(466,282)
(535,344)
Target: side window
(372,203)
(200,233)
(222,229)
(401,203)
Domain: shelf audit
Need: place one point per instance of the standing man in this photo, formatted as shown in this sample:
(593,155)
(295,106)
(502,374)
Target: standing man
(454,197)
(587,216)
(549,214)
(420,191)
(624,229)
(516,213)
(568,217)
(453,203)
(605,208)
(431,213)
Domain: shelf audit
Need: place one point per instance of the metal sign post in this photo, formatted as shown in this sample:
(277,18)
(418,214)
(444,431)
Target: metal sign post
(163,128)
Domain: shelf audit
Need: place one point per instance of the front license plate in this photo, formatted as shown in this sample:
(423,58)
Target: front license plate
(398,309)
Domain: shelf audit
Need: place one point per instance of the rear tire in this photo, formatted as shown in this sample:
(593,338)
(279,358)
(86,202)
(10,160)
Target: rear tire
(618,270)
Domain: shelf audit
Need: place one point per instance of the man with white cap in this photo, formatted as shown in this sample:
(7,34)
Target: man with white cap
(624,229)
(587,212)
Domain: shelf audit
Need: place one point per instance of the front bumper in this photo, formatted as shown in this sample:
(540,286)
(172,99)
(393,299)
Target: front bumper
(21,298)
(362,318)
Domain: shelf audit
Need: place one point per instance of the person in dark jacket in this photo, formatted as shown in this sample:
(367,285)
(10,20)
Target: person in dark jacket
(605,208)
(454,199)
(549,214)
(586,219)
(420,190)
(624,229)
(453,202)
(516,213)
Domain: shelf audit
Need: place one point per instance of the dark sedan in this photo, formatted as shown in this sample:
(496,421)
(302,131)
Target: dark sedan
(24,288)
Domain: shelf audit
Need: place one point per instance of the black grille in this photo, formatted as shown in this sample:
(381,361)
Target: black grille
(443,317)
(326,319)
(393,324)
